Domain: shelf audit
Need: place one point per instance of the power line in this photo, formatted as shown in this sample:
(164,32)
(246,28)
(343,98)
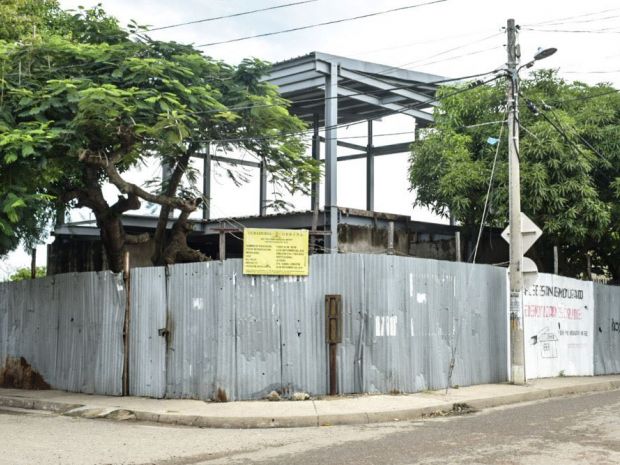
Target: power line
(449,50)
(593,72)
(311,100)
(566,18)
(340,125)
(558,127)
(575,31)
(422,42)
(592,20)
(325,23)
(233,15)
(309,134)
(586,97)
(475,52)
(488,196)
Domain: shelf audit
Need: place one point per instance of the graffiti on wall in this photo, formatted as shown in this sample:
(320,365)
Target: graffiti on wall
(559,320)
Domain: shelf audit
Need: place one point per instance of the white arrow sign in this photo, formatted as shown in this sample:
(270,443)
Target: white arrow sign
(529,233)
(529,271)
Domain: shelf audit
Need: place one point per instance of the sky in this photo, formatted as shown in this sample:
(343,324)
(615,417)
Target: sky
(448,38)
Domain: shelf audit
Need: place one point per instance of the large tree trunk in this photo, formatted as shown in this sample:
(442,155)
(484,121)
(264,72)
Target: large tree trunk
(160,239)
(170,248)
(108,217)
(177,250)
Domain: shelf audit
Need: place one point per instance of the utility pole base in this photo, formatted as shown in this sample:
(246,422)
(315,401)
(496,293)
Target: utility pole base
(517,373)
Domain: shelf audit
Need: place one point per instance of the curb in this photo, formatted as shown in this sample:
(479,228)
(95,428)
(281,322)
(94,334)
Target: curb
(357,418)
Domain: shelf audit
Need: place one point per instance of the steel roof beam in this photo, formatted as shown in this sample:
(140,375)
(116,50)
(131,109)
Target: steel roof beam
(348,145)
(378,151)
(309,84)
(379,103)
(235,161)
(385,86)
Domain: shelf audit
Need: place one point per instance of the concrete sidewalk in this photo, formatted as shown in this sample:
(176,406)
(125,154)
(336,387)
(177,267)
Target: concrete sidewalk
(358,409)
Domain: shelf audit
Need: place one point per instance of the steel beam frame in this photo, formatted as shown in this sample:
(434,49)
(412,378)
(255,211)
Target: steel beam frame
(331,156)
(370,171)
(206,183)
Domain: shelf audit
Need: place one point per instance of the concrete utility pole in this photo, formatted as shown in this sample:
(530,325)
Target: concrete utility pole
(517,351)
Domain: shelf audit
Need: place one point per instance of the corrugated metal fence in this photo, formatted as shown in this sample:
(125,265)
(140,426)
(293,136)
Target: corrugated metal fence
(205,330)
(226,335)
(606,329)
(68,328)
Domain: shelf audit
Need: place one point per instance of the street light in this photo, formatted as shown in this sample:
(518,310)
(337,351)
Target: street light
(540,54)
(543,53)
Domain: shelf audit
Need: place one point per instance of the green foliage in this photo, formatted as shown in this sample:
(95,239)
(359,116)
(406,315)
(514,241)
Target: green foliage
(569,183)
(25,18)
(82,91)
(25,273)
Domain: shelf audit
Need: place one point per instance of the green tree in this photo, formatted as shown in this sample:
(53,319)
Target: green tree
(25,273)
(82,107)
(570,164)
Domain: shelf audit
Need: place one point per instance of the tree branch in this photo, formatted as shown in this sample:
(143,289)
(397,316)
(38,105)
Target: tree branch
(137,238)
(164,213)
(131,202)
(108,164)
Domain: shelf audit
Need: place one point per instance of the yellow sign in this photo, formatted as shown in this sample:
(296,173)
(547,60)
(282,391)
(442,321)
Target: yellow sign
(275,252)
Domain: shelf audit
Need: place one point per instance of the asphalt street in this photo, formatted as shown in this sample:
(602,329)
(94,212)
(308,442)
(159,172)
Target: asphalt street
(581,429)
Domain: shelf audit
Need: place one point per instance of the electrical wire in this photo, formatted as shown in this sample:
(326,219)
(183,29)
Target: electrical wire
(475,52)
(592,20)
(336,126)
(586,97)
(339,125)
(233,15)
(558,127)
(422,42)
(581,138)
(488,196)
(576,31)
(452,49)
(325,23)
(567,18)
(593,72)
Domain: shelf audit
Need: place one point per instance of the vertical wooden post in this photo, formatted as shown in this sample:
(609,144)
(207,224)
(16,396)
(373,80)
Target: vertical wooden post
(126,323)
(333,334)
(33,263)
(457,246)
(333,369)
(222,245)
(390,238)
(556,260)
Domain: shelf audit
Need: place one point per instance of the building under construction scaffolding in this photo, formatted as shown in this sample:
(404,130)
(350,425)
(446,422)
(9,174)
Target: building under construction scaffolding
(325,91)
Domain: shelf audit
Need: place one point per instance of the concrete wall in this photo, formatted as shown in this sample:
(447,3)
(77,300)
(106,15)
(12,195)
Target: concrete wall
(362,239)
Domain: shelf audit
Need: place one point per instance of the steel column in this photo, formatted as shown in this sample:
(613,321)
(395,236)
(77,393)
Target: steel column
(206,183)
(331,156)
(263,189)
(315,199)
(370,171)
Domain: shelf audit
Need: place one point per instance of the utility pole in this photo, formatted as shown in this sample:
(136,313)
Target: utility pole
(517,351)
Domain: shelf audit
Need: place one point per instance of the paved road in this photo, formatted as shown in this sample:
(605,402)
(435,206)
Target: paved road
(574,430)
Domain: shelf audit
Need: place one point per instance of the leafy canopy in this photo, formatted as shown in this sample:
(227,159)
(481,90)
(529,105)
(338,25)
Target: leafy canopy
(81,103)
(569,178)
